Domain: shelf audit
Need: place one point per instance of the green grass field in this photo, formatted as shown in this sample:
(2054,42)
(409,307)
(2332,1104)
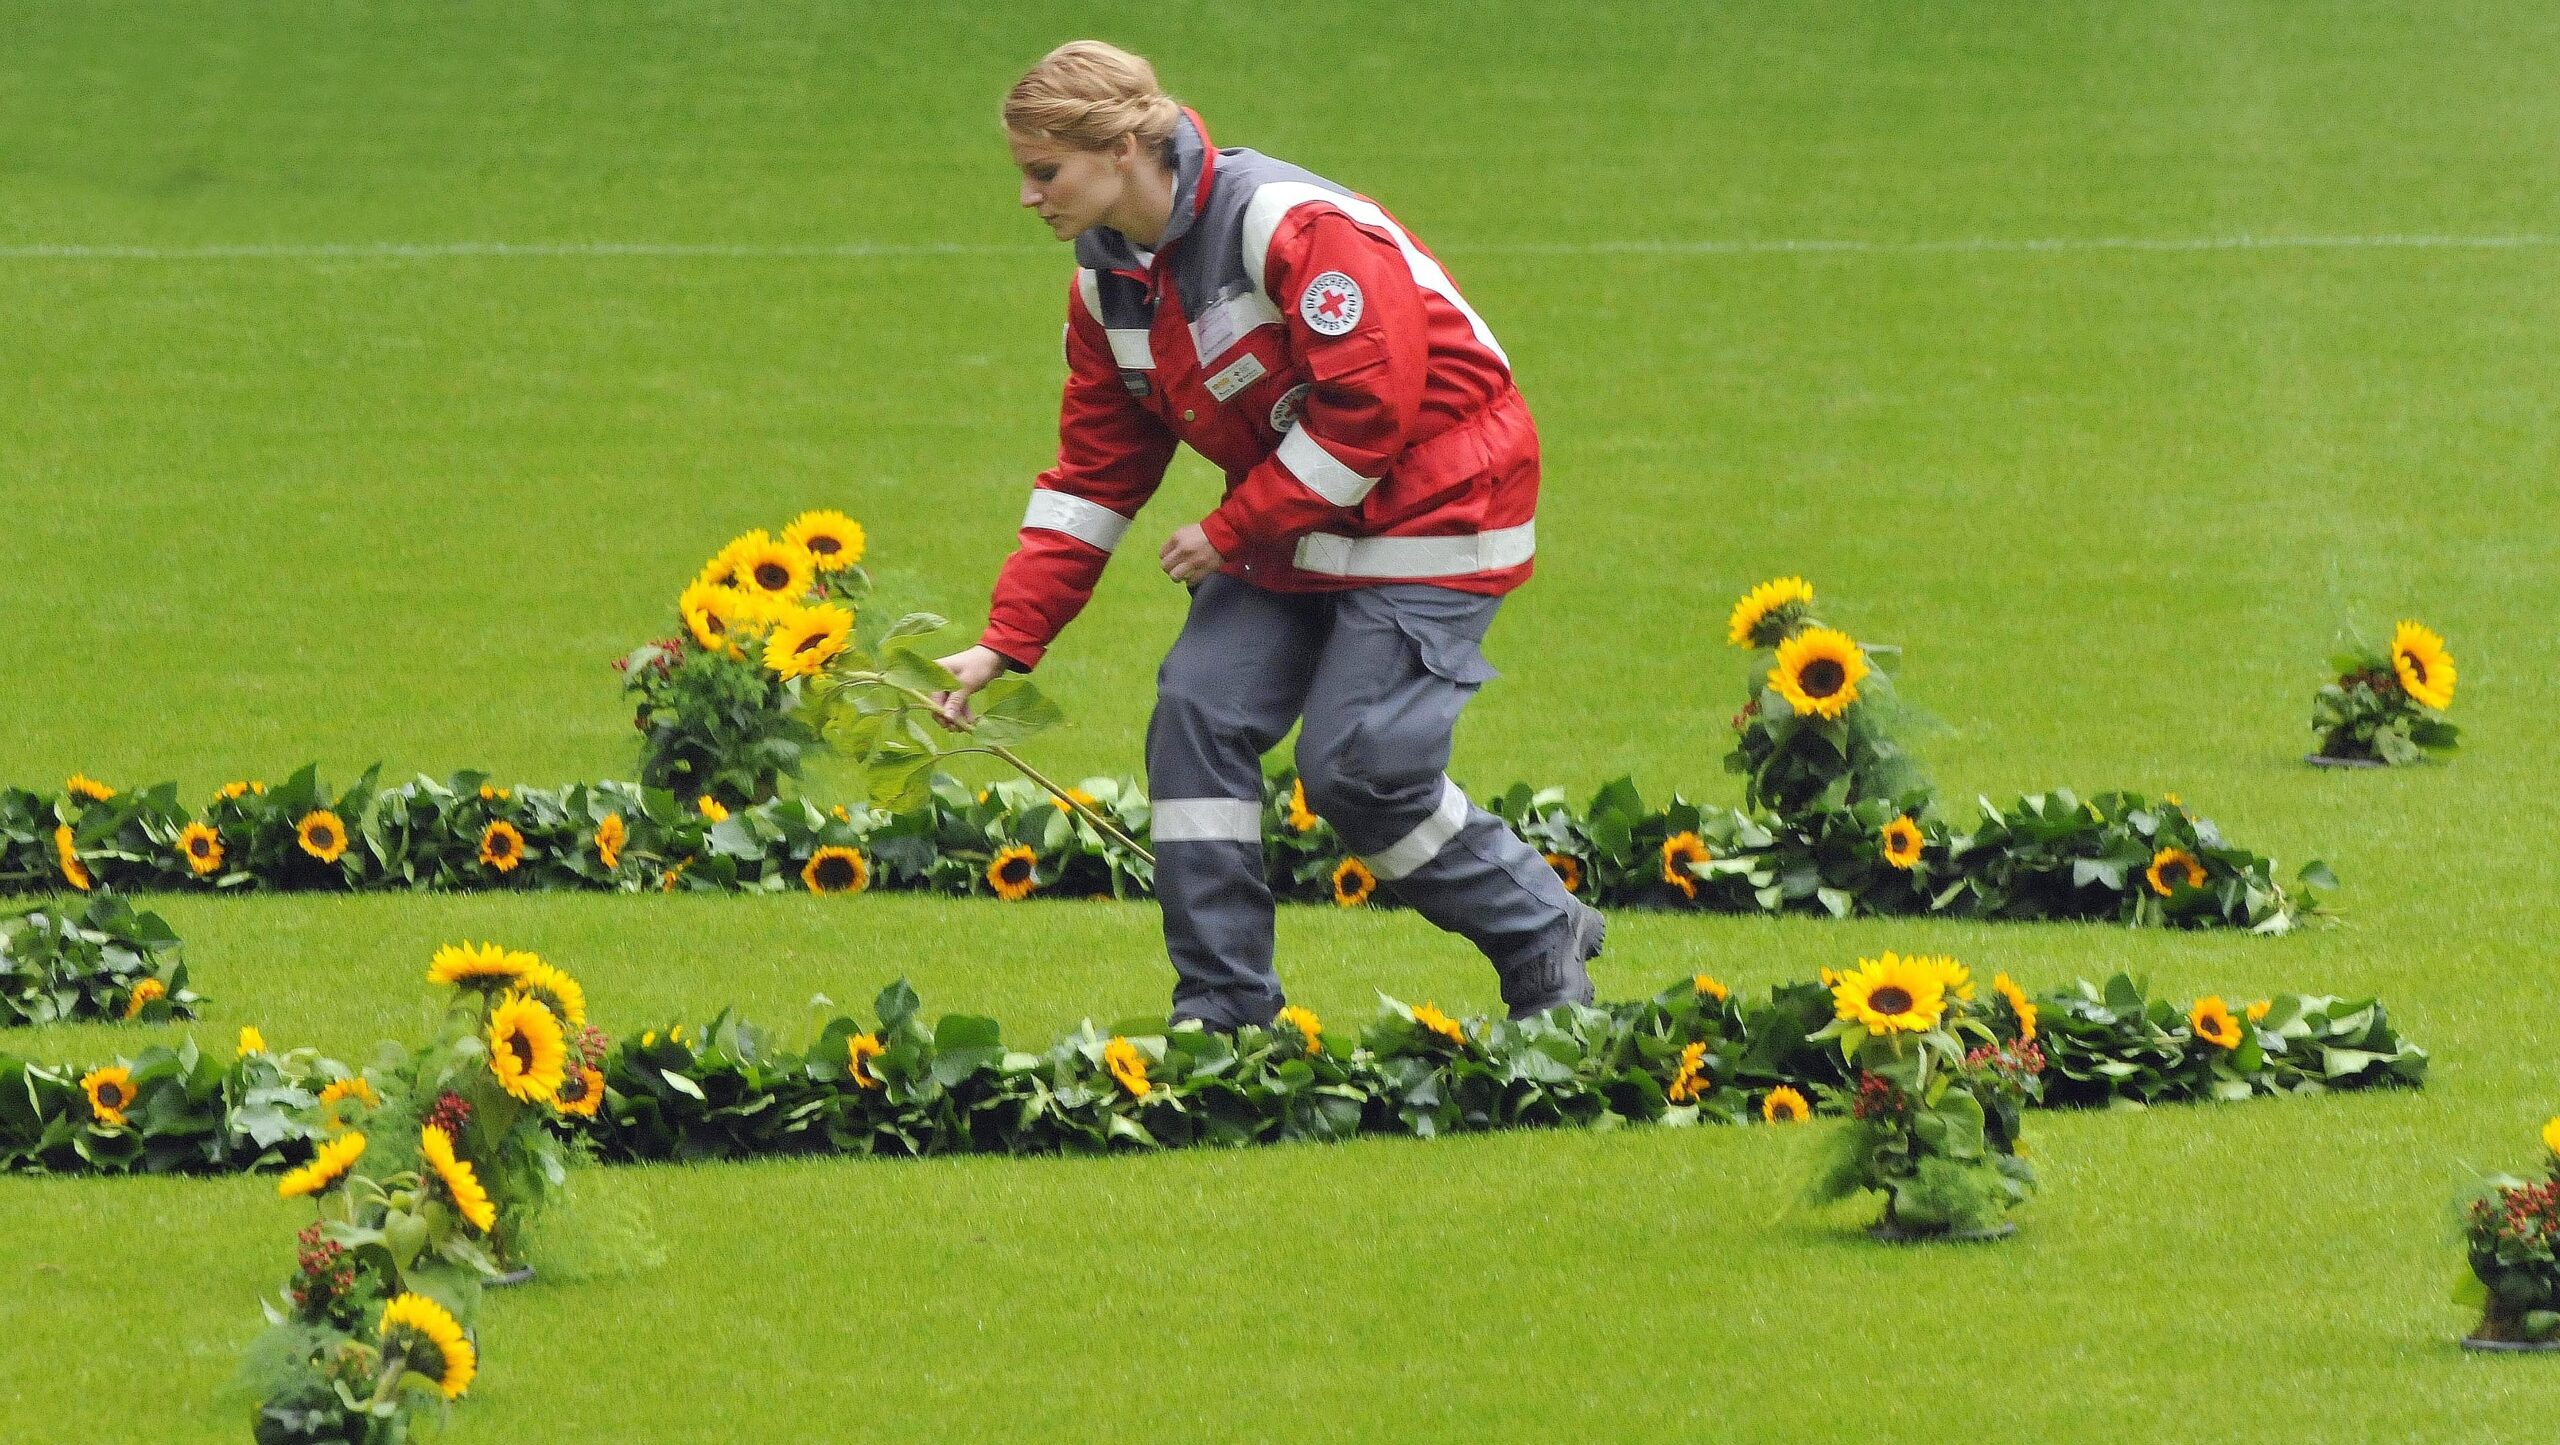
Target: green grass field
(271,503)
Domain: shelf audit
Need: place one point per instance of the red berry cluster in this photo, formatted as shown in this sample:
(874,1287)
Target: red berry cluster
(452,1114)
(2013,1059)
(1877,1098)
(592,1045)
(1742,719)
(327,1274)
(2528,1215)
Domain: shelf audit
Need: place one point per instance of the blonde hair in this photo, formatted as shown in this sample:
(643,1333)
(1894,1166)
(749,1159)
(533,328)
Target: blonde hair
(1087,94)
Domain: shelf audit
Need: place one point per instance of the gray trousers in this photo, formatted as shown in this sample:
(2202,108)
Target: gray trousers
(1380,675)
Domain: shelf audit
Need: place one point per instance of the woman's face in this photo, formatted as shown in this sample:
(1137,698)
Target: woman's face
(1072,190)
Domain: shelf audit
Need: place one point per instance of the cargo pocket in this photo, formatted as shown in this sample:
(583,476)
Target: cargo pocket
(1446,652)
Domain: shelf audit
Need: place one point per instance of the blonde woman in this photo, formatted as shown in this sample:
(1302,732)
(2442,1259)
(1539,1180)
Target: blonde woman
(1382,482)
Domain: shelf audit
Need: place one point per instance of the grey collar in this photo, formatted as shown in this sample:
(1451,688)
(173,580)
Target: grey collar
(1104,249)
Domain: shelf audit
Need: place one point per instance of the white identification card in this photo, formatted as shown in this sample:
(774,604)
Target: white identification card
(1244,371)
(1225,323)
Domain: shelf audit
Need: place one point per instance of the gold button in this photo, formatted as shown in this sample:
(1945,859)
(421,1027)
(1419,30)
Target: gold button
(1186,414)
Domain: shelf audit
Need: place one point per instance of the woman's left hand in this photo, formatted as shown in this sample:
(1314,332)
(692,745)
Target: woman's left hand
(1188,557)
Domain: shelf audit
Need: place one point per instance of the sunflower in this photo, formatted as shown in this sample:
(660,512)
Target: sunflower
(322,835)
(1891,994)
(501,846)
(526,1050)
(1014,872)
(110,1092)
(338,1092)
(490,793)
(2178,861)
(429,1340)
(251,1041)
(1708,985)
(807,640)
(727,567)
(81,785)
(201,846)
(839,814)
(2213,1022)
(2258,1011)
(837,870)
(781,571)
(611,834)
(590,1093)
(1818,672)
(1127,1065)
(2425,668)
(1690,1082)
(145,993)
(832,539)
(461,1182)
(2551,1136)
(328,1165)
(1568,870)
(555,990)
(670,879)
(1768,612)
(1430,1018)
(712,612)
(482,965)
(1902,843)
(1075,796)
(711,809)
(1953,977)
(1784,1106)
(74,872)
(1310,1028)
(1302,819)
(2016,998)
(859,1051)
(1678,852)
(233,792)
(1352,883)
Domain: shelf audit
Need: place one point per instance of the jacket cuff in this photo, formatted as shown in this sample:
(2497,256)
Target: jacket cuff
(1020,653)
(1222,534)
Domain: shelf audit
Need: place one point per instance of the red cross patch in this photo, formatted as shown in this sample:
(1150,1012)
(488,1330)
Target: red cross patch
(1331,305)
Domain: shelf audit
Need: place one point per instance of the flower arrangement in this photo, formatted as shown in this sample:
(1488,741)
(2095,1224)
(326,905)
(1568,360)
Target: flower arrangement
(2511,1239)
(1819,730)
(1696,1052)
(2048,856)
(2386,708)
(718,701)
(1941,1076)
(97,958)
(427,1170)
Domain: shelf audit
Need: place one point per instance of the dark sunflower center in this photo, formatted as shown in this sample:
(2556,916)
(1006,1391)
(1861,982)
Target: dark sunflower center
(200,846)
(712,624)
(111,1095)
(835,873)
(2417,665)
(522,1048)
(809,643)
(825,546)
(1890,1000)
(772,576)
(1822,677)
(1016,870)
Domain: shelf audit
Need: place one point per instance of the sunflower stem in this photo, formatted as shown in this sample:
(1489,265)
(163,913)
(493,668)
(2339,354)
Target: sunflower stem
(1101,824)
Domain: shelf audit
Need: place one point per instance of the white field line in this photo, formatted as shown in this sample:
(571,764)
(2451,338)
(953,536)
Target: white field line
(870,250)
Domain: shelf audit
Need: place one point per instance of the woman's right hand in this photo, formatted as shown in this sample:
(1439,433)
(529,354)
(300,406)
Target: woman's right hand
(972,668)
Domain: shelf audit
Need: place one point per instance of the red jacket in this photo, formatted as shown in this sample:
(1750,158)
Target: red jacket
(1363,413)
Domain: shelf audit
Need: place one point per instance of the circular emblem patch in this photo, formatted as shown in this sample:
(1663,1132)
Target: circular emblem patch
(1331,305)
(1284,412)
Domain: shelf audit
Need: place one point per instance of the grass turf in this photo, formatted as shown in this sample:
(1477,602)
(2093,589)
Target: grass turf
(2114,501)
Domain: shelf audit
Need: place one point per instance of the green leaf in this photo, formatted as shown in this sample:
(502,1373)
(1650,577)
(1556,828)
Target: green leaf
(1011,709)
